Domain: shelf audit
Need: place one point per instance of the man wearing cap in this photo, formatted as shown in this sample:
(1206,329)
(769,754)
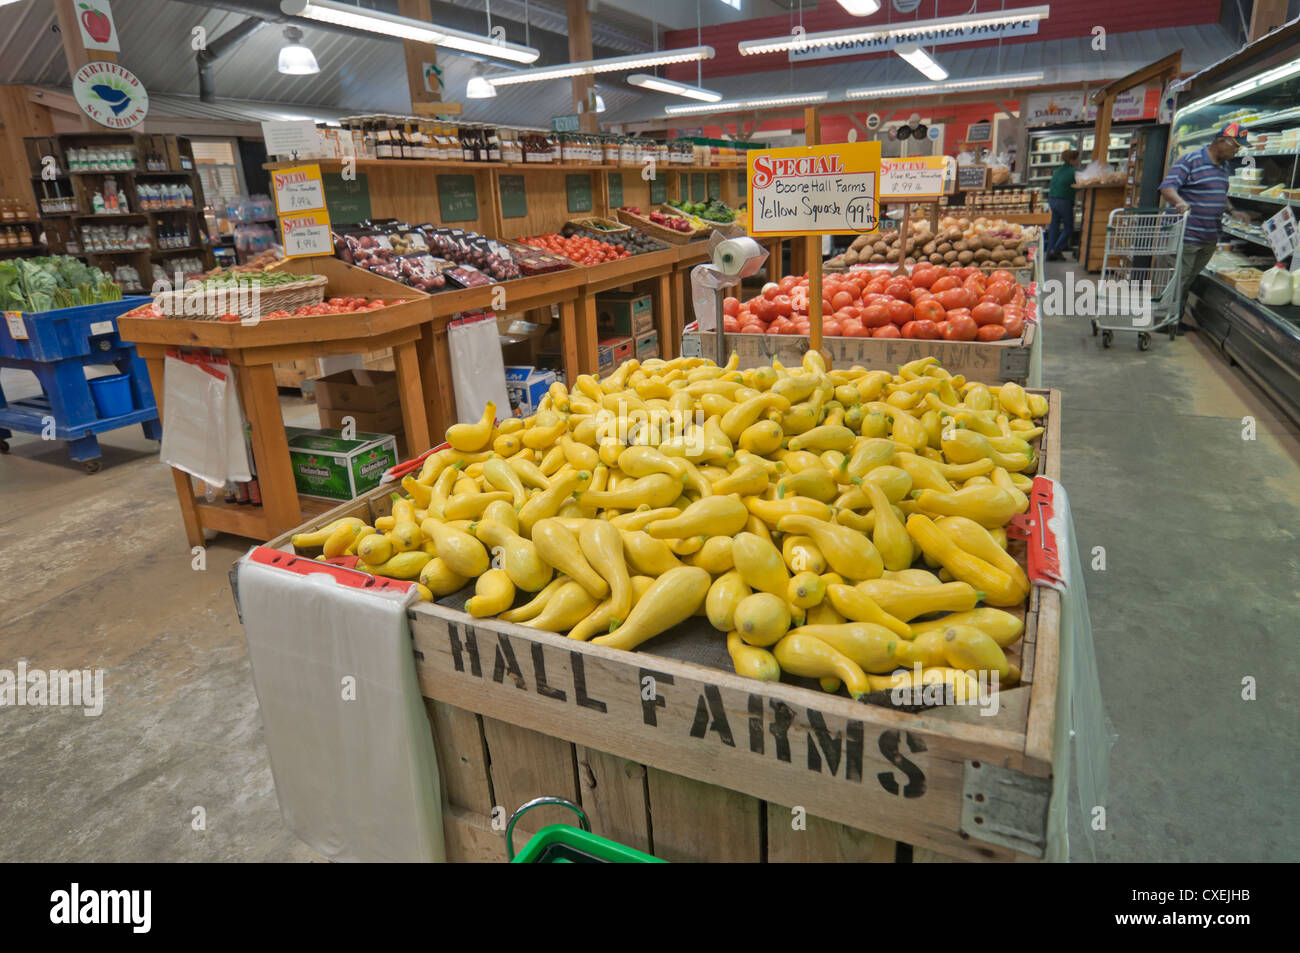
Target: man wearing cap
(1198,184)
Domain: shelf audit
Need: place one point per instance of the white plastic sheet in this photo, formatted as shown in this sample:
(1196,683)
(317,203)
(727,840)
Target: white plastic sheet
(349,742)
(478,370)
(203,426)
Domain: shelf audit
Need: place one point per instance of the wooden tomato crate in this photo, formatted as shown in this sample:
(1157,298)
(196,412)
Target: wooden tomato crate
(667,750)
(991,362)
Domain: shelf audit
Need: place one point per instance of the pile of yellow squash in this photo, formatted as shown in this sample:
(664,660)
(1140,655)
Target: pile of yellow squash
(841,525)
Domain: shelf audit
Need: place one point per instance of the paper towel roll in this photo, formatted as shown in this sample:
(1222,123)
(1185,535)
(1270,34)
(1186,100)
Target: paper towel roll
(738,257)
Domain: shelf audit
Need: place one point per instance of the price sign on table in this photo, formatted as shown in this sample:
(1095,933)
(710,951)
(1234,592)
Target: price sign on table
(307,234)
(815,190)
(917,179)
(298,189)
(1282,234)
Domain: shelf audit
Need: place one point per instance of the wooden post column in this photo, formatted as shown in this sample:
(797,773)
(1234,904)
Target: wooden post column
(74,50)
(812,131)
(423,102)
(579,50)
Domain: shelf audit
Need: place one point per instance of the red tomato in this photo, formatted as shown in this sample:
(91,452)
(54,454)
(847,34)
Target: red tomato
(925,277)
(918,295)
(1001,291)
(771,290)
(842,315)
(826,306)
(841,299)
(731,306)
(764,310)
(945,283)
(930,308)
(900,312)
(787,283)
(875,316)
(987,313)
(926,330)
(909,329)
(960,329)
(854,329)
(956,313)
(900,288)
(781,326)
(752,328)
(781,303)
(887,331)
(1015,325)
(831,328)
(730,324)
(955,298)
(1002,275)
(990,332)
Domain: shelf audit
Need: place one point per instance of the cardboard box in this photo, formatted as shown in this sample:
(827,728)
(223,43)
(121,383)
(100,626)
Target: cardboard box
(624,314)
(647,346)
(623,348)
(327,466)
(526,386)
(366,391)
(381,421)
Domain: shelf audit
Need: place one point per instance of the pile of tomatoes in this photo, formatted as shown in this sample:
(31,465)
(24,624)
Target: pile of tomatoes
(577,248)
(935,301)
(332,306)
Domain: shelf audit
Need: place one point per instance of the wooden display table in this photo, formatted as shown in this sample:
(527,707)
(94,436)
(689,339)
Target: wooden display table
(654,268)
(1098,202)
(251,351)
(696,253)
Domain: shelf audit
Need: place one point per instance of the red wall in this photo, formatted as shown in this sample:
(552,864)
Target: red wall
(1066,20)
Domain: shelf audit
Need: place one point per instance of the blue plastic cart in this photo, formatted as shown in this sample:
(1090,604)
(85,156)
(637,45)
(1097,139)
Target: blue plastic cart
(56,346)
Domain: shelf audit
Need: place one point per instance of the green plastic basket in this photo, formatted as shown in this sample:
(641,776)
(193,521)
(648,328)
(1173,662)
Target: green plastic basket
(566,844)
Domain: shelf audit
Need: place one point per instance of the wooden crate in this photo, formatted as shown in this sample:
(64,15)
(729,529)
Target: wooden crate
(990,362)
(669,751)
(294,373)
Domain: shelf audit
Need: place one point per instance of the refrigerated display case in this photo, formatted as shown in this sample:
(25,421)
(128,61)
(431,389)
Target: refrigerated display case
(1260,87)
(1047,145)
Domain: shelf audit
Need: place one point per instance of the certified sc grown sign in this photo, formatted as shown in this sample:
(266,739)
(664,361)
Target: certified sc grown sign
(110,94)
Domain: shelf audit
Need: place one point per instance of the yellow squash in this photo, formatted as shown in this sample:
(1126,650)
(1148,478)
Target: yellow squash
(856,606)
(760,564)
(493,593)
(672,598)
(847,551)
(751,661)
(439,578)
(727,592)
(906,602)
(762,618)
(469,438)
(711,516)
(801,654)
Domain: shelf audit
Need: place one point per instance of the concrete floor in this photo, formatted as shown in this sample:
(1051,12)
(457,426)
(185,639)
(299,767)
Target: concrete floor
(1199,592)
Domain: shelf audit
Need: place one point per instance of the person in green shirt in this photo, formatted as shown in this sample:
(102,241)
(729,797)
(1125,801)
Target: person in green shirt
(1060,199)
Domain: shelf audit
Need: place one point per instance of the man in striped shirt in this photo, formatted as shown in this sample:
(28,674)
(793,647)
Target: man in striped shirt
(1198,184)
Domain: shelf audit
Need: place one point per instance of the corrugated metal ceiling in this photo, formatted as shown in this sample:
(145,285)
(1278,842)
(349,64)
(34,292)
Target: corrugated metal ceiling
(1071,61)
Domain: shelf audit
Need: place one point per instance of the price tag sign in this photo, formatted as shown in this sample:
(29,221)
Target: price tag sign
(1282,234)
(815,190)
(917,179)
(307,234)
(291,137)
(17,327)
(298,189)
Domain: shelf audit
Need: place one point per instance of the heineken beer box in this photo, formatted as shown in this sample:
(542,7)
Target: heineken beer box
(329,466)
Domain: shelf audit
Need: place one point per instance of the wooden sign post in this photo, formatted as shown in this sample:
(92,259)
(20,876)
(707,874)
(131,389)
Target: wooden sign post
(919,179)
(811,191)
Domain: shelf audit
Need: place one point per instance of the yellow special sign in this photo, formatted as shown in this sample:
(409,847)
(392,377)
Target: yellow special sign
(298,189)
(815,190)
(916,179)
(306,234)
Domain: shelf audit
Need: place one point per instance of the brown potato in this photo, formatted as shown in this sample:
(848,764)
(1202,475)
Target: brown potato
(880,248)
(981,254)
(860,243)
(936,259)
(943,247)
(964,257)
(929,248)
(1019,261)
(960,247)
(892,255)
(877,259)
(950,256)
(851,257)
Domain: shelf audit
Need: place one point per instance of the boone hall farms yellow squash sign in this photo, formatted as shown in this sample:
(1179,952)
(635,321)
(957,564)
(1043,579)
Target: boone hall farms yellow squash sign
(110,94)
(815,190)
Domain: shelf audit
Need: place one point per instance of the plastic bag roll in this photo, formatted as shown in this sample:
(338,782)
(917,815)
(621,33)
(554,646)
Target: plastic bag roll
(738,257)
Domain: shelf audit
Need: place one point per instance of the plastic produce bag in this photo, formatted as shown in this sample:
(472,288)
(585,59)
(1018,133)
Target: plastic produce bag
(203,429)
(478,370)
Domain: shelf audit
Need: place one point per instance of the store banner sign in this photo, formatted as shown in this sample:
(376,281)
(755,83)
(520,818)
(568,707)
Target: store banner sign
(918,179)
(110,94)
(306,234)
(98,31)
(1046,109)
(815,190)
(938,35)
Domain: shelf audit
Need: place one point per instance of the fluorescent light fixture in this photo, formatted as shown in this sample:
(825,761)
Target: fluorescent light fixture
(386,24)
(647,81)
(479,88)
(1267,78)
(906,28)
(600,103)
(296,59)
(987,82)
(860,8)
(760,102)
(923,61)
(687,54)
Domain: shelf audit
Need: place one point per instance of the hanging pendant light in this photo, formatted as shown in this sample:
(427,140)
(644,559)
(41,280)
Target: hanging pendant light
(296,59)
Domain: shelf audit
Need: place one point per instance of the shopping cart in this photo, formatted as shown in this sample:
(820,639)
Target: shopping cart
(1139,274)
(566,844)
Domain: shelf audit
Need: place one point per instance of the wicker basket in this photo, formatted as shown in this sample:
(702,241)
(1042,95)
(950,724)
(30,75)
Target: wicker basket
(608,227)
(211,303)
(661,232)
(728,229)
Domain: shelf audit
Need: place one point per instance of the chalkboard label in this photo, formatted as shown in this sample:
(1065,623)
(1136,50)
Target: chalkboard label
(514,200)
(699,187)
(615,190)
(578,189)
(742,188)
(715,185)
(348,200)
(658,191)
(567,123)
(972,177)
(457,200)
